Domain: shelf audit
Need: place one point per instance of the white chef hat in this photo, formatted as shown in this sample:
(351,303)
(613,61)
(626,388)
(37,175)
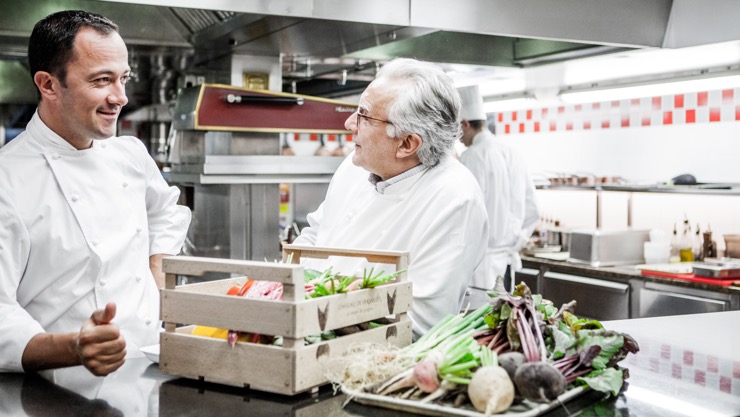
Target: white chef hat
(472,103)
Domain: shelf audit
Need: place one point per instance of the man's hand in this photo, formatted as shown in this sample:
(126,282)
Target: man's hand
(100,346)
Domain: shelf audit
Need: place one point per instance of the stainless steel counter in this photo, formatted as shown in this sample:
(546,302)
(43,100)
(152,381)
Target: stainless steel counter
(687,366)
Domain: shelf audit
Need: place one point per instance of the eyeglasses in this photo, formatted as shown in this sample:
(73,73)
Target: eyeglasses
(360,116)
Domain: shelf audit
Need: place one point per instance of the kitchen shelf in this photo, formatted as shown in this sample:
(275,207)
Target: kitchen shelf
(718,189)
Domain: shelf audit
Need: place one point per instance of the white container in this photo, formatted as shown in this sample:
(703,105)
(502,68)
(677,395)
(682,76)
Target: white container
(657,252)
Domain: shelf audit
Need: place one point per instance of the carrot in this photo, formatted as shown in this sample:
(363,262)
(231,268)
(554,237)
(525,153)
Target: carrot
(247,285)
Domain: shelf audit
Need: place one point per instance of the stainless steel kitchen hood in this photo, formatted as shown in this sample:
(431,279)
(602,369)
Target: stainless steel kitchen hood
(342,41)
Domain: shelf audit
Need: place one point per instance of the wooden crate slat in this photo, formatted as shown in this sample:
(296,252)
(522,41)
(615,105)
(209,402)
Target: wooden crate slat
(265,271)
(264,367)
(329,313)
(235,313)
(284,318)
(398,258)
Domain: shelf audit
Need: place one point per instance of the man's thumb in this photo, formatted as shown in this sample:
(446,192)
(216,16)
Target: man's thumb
(106,315)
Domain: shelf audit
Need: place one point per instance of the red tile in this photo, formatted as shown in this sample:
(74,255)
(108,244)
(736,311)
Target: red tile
(579,107)
(728,95)
(332,138)
(553,126)
(529,114)
(296,136)
(521,127)
(615,103)
(737,112)
(654,364)
(596,106)
(691,116)
(635,102)
(678,101)
(569,126)
(500,117)
(665,351)
(348,138)
(712,364)
(702,98)
(507,128)
(513,116)
(605,124)
(736,370)
(314,137)
(700,378)
(586,125)
(688,359)
(668,117)
(725,384)
(657,103)
(714,114)
(561,109)
(536,126)
(626,121)
(646,121)
(676,370)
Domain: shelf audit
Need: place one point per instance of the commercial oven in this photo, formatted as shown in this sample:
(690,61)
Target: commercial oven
(226,149)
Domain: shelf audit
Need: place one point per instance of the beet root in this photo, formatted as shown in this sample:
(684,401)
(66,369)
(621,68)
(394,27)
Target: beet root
(491,390)
(539,382)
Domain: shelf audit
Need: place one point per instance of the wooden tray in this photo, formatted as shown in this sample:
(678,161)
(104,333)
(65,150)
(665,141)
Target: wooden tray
(294,367)
(524,409)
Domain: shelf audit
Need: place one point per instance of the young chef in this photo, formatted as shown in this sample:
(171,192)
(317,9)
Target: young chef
(86,217)
(508,192)
(401,189)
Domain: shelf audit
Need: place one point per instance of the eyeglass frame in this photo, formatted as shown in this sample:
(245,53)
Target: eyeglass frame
(360,115)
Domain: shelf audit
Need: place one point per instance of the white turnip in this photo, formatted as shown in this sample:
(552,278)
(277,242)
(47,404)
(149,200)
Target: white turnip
(491,390)
(539,382)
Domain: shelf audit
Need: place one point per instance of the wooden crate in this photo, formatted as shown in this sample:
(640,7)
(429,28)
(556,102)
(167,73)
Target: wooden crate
(294,367)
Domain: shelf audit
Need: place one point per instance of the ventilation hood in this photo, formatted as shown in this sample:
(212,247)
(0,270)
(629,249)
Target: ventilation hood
(330,47)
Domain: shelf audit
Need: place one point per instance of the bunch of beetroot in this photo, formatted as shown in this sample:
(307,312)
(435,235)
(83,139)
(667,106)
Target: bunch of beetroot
(544,349)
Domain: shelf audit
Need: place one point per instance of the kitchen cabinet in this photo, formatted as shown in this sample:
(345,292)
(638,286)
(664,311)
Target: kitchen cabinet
(529,276)
(611,293)
(595,298)
(654,299)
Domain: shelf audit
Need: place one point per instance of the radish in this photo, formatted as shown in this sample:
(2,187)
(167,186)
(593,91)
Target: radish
(491,390)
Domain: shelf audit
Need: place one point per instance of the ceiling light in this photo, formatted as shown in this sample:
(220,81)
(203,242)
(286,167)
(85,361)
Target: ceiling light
(705,82)
(508,103)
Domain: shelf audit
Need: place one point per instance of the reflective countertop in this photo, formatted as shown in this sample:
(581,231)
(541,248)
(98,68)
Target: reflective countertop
(687,366)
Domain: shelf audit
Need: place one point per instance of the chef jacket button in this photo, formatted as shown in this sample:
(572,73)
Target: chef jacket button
(125,184)
(138,230)
(102,283)
(75,198)
(138,278)
(94,243)
(148,322)
(103,145)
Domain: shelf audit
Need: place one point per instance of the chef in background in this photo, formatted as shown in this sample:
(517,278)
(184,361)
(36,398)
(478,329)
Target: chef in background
(508,192)
(85,217)
(401,189)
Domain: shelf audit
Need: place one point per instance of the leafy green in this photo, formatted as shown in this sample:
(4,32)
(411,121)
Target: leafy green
(607,380)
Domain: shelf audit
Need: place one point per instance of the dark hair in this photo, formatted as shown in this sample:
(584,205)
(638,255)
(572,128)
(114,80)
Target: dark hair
(51,44)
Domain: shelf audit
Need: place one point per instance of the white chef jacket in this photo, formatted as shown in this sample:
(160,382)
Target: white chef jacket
(437,215)
(77,228)
(510,201)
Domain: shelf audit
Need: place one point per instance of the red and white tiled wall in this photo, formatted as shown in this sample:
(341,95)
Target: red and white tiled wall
(711,372)
(714,106)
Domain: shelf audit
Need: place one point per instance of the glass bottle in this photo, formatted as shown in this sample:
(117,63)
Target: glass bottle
(675,246)
(686,248)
